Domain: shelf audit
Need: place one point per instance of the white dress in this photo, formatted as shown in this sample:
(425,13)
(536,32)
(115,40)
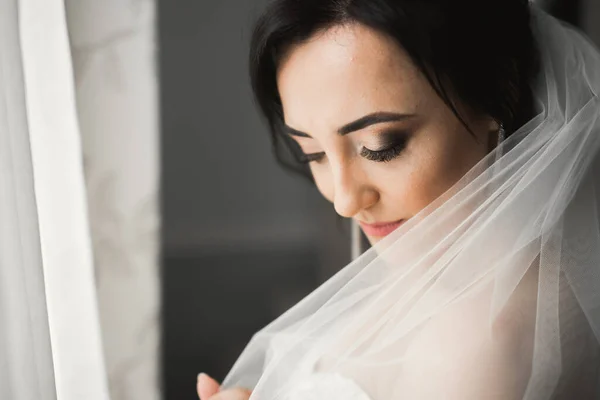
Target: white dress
(327,386)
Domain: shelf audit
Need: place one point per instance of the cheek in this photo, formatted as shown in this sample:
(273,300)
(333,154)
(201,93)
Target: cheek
(427,180)
(429,173)
(417,184)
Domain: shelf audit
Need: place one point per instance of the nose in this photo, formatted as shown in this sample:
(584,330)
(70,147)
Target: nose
(352,193)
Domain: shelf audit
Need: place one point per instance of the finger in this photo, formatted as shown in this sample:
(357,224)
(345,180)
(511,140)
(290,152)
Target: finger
(206,386)
(232,394)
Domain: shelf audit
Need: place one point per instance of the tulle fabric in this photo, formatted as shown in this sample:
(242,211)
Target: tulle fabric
(491,292)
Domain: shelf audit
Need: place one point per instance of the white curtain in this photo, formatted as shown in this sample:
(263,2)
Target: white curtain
(113,44)
(78,189)
(50,346)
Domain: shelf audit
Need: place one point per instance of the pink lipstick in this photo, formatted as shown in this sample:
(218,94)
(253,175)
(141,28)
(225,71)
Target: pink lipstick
(380,229)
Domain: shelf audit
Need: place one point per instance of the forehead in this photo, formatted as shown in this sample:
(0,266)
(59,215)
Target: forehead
(344,73)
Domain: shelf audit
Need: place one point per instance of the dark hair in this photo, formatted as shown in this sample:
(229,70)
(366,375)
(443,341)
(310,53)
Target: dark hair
(481,51)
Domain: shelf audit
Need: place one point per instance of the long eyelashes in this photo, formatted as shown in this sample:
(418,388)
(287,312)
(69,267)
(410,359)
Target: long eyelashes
(395,143)
(390,152)
(312,157)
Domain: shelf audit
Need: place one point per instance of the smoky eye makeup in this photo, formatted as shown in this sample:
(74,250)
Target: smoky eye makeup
(390,145)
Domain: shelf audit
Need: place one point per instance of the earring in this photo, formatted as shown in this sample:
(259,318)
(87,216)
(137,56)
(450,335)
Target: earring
(501,138)
(501,133)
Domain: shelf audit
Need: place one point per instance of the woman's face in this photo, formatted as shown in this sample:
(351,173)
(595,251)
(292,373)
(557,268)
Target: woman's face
(381,144)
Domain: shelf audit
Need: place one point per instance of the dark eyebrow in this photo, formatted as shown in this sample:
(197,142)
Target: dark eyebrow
(361,123)
(372,119)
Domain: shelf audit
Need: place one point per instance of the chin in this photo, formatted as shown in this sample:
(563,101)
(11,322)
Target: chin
(373,239)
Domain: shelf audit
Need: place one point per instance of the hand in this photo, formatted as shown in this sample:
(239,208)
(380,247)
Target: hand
(209,389)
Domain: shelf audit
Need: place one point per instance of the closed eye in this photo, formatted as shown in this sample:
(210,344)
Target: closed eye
(383,155)
(395,143)
(311,157)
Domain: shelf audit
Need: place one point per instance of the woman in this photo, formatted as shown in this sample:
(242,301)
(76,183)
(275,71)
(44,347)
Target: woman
(462,136)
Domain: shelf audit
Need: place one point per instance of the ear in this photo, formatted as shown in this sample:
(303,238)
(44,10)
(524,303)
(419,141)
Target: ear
(494,125)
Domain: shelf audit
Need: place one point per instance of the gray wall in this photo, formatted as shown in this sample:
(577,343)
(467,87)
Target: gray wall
(221,183)
(590,19)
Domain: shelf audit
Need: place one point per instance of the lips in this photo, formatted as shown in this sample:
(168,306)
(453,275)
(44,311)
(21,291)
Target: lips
(380,229)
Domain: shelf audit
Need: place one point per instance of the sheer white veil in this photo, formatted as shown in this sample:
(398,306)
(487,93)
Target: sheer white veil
(492,291)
